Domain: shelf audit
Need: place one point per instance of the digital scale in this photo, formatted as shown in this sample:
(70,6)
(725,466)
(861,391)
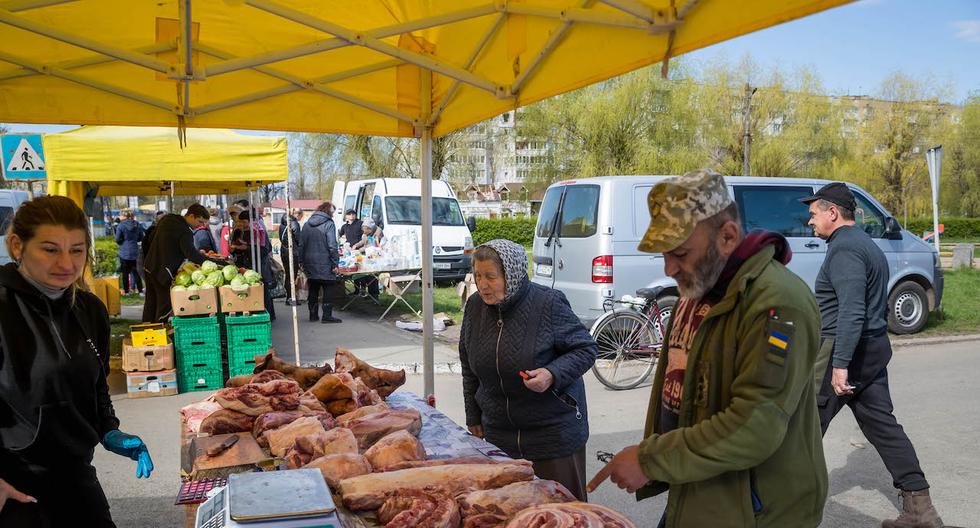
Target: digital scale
(296,498)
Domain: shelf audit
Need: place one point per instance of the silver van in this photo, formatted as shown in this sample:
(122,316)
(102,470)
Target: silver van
(588,229)
(10,200)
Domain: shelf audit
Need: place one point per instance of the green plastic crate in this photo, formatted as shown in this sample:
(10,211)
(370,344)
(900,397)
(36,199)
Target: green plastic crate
(246,337)
(193,332)
(207,356)
(239,370)
(200,379)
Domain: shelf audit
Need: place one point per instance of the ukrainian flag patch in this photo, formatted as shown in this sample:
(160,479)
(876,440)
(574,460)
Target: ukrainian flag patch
(778,340)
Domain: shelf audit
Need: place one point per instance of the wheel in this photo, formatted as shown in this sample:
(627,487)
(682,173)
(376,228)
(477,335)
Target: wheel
(628,349)
(908,308)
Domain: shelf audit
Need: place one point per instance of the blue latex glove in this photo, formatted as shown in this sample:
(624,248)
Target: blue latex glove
(130,446)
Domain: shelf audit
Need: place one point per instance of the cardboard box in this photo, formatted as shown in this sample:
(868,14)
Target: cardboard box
(465,289)
(253,301)
(199,302)
(151,384)
(148,334)
(146,358)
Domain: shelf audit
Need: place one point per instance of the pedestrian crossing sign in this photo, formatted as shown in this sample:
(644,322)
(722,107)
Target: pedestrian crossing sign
(23,157)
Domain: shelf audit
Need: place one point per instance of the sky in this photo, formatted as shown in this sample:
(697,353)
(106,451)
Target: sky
(852,48)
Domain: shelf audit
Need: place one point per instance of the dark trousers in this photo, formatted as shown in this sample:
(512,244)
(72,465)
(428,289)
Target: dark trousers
(127,268)
(568,471)
(156,305)
(68,493)
(321,292)
(289,279)
(871,404)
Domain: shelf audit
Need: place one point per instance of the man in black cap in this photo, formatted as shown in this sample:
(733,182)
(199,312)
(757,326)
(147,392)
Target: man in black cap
(852,292)
(171,244)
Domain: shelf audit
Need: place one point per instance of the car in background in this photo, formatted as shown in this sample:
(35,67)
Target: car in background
(9,202)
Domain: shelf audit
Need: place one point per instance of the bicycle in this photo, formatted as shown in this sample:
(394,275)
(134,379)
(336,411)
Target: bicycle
(630,339)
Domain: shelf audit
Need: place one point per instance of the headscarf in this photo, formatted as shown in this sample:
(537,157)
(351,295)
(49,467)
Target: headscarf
(368,223)
(514,259)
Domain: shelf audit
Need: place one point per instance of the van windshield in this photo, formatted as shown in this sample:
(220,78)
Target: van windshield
(407,210)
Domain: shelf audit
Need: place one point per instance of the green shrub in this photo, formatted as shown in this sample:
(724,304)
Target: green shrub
(106,257)
(520,230)
(953,227)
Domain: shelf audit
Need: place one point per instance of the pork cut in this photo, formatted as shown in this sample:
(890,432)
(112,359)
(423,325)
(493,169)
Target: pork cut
(440,462)
(195,413)
(361,412)
(318,444)
(281,439)
(396,447)
(305,376)
(368,492)
(339,466)
(277,419)
(570,515)
(371,428)
(382,380)
(493,508)
(227,421)
(254,399)
(418,509)
(261,377)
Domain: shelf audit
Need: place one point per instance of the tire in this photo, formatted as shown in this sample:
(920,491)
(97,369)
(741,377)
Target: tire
(908,308)
(628,348)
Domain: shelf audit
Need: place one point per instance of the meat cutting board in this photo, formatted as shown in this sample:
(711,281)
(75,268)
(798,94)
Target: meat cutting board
(240,457)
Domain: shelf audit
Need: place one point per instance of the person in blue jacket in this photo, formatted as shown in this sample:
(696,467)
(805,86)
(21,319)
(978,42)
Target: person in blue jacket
(54,358)
(129,234)
(523,353)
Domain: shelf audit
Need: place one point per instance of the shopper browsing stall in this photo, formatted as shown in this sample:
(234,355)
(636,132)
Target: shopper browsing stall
(320,257)
(371,234)
(246,232)
(54,357)
(171,244)
(350,231)
(129,234)
(289,249)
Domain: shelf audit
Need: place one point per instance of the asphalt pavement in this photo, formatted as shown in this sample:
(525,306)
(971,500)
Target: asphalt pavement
(934,387)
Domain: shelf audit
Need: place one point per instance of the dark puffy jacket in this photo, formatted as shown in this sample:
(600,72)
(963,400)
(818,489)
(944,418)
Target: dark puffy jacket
(54,399)
(318,247)
(294,227)
(128,235)
(536,328)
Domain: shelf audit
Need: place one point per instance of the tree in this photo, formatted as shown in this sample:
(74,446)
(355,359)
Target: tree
(960,189)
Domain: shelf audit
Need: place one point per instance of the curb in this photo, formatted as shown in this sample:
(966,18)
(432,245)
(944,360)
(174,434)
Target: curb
(914,341)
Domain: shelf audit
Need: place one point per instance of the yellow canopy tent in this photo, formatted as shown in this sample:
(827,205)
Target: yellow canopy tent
(147,161)
(381,67)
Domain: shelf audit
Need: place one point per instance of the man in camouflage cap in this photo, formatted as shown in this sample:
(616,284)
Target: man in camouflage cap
(732,427)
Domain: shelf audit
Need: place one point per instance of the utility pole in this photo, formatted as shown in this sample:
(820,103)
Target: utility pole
(746,133)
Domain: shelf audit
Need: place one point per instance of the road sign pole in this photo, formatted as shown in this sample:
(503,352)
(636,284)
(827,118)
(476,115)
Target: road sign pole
(934,160)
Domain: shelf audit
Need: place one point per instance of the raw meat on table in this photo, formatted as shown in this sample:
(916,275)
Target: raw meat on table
(418,509)
(339,466)
(262,377)
(396,447)
(305,376)
(382,380)
(318,444)
(361,412)
(277,419)
(570,515)
(254,399)
(195,413)
(442,462)
(227,421)
(283,438)
(494,507)
(368,492)
(371,428)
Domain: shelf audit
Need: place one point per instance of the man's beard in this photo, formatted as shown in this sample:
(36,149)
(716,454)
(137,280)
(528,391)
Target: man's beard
(706,272)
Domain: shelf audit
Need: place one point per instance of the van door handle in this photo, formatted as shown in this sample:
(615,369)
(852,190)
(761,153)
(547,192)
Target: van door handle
(811,245)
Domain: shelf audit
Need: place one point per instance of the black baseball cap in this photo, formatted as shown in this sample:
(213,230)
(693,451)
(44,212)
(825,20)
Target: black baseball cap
(836,193)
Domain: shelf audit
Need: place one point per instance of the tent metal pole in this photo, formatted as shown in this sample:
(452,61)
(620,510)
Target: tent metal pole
(292,274)
(251,229)
(425,157)
(170,198)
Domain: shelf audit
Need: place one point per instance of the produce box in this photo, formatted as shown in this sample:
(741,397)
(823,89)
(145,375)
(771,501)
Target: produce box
(198,302)
(148,334)
(146,358)
(251,300)
(150,384)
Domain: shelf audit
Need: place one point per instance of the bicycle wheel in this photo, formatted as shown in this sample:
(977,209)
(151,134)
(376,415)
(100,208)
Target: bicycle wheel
(628,349)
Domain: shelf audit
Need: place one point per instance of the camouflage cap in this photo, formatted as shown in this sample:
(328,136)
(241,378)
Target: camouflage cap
(678,204)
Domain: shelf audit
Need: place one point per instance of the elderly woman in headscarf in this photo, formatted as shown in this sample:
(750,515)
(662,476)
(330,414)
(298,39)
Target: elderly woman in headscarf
(371,234)
(523,354)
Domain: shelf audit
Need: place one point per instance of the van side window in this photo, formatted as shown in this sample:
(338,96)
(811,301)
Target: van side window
(580,211)
(376,212)
(774,209)
(546,216)
(868,217)
(367,196)
(349,203)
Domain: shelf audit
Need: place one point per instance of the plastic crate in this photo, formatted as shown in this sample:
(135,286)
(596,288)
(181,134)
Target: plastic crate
(246,337)
(207,356)
(199,379)
(192,332)
(240,370)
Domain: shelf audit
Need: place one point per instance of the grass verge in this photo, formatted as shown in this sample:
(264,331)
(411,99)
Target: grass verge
(960,314)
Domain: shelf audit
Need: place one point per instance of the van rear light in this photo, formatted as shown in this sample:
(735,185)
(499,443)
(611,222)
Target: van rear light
(602,269)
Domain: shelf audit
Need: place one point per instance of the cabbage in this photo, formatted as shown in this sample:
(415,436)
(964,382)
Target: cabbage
(238,280)
(193,287)
(240,288)
(198,277)
(252,277)
(209,266)
(183,279)
(229,272)
(214,279)
(178,288)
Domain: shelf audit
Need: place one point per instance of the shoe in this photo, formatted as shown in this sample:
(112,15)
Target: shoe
(314,313)
(917,512)
(328,315)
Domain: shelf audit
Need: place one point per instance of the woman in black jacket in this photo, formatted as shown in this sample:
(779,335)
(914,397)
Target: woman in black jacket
(54,357)
(523,353)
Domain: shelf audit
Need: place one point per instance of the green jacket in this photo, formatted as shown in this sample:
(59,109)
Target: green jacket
(748,418)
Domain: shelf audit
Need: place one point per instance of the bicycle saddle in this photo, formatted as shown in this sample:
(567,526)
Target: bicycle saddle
(650,293)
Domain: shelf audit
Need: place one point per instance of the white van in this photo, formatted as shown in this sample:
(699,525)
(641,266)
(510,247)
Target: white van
(395,204)
(9,202)
(588,229)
